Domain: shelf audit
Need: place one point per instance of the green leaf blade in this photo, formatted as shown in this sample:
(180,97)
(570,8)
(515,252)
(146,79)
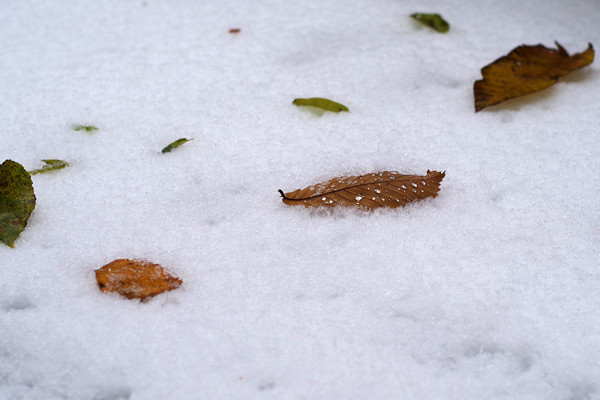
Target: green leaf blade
(87,128)
(175,145)
(434,21)
(321,103)
(17,201)
(51,165)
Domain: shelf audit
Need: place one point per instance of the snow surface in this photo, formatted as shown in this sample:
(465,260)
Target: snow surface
(489,291)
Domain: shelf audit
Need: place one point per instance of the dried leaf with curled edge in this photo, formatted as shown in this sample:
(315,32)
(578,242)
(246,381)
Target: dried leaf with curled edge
(135,279)
(370,191)
(526,69)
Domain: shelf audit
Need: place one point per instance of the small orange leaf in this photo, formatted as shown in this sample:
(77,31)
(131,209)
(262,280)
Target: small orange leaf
(379,189)
(526,69)
(135,279)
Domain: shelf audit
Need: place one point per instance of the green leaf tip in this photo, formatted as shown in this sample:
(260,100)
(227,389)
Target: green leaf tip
(51,165)
(434,21)
(17,201)
(87,128)
(175,144)
(323,104)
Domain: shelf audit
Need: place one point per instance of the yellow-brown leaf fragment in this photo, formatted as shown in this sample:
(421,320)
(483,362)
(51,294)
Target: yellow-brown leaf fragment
(135,279)
(370,191)
(526,69)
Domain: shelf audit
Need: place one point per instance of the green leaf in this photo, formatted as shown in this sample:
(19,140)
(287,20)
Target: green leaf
(51,165)
(87,128)
(17,201)
(323,104)
(175,144)
(434,21)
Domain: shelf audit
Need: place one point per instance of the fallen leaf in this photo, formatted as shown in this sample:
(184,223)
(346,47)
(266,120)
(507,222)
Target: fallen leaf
(323,104)
(434,21)
(379,189)
(234,30)
(17,201)
(51,165)
(526,69)
(87,128)
(135,279)
(175,145)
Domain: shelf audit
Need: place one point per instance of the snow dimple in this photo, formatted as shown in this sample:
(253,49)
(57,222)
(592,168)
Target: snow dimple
(114,393)
(17,304)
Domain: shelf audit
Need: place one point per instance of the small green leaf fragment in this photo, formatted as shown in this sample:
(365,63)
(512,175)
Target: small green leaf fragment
(17,201)
(87,128)
(51,165)
(323,104)
(175,144)
(434,21)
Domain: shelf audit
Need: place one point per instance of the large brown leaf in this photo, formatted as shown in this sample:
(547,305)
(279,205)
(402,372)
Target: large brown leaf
(379,189)
(525,70)
(135,279)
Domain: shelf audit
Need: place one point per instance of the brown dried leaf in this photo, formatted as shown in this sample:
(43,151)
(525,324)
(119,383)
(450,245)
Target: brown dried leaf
(135,279)
(525,70)
(379,189)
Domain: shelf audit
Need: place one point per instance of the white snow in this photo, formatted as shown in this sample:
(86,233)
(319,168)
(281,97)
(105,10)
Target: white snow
(489,291)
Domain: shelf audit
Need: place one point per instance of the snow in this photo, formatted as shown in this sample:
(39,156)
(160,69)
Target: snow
(489,291)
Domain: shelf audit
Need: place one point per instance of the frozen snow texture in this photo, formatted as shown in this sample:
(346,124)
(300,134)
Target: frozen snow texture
(489,291)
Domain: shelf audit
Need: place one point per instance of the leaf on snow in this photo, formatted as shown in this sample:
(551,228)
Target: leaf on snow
(135,279)
(323,104)
(17,201)
(87,128)
(526,69)
(175,145)
(379,189)
(51,165)
(434,21)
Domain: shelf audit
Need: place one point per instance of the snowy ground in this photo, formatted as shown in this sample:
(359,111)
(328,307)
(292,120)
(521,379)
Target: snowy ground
(489,291)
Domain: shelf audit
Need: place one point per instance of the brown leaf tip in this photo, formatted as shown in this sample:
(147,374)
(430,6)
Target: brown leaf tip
(370,191)
(135,279)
